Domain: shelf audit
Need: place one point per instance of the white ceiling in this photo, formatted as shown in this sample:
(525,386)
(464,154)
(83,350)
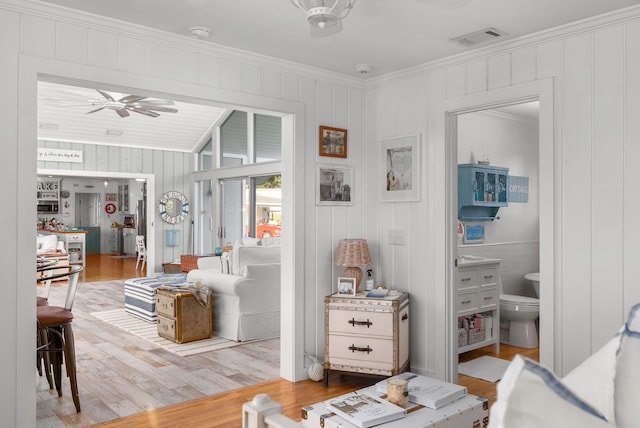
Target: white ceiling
(66,108)
(388,35)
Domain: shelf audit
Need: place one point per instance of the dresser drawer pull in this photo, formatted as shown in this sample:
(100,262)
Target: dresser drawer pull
(488,276)
(465,279)
(466,302)
(354,323)
(405,317)
(488,298)
(354,348)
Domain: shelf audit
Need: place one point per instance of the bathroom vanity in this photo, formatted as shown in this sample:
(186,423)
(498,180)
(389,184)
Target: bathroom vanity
(477,297)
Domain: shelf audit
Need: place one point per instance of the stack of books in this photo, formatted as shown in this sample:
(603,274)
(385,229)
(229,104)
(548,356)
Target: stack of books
(429,392)
(364,409)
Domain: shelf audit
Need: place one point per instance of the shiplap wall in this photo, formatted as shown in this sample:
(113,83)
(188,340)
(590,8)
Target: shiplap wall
(172,171)
(597,75)
(88,49)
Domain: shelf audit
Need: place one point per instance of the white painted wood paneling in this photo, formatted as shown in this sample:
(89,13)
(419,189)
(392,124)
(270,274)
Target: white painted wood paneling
(523,66)
(185,65)
(72,42)
(577,182)
(251,79)
(456,83)
(209,70)
(290,89)
(103,48)
(161,62)
(608,185)
(133,55)
(476,76)
(231,75)
(499,71)
(631,202)
(42,36)
(549,59)
(271,84)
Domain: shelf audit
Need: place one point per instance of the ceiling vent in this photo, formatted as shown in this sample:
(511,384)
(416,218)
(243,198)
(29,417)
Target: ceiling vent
(478,37)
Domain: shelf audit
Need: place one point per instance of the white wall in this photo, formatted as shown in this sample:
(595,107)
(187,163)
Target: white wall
(42,39)
(596,72)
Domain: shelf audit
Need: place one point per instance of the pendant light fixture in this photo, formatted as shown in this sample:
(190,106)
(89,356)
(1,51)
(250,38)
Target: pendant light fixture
(325,16)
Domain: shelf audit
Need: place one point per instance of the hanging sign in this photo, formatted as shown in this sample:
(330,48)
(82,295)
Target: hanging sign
(59,155)
(110,208)
(518,189)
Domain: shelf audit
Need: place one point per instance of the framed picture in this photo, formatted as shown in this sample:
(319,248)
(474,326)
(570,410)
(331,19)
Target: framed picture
(400,169)
(474,234)
(334,185)
(346,286)
(333,142)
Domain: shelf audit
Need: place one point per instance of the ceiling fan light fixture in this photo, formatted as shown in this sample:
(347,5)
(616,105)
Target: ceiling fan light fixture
(325,14)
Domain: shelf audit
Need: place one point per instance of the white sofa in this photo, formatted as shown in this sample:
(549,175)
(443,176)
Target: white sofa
(246,291)
(602,391)
(48,243)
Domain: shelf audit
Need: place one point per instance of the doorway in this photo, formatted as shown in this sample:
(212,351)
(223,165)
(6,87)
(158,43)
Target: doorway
(443,128)
(495,139)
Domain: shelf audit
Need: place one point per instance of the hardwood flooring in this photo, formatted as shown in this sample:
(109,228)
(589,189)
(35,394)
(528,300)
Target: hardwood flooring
(124,385)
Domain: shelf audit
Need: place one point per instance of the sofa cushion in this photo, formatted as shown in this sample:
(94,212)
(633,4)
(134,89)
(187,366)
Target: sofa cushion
(627,378)
(529,396)
(242,255)
(46,243)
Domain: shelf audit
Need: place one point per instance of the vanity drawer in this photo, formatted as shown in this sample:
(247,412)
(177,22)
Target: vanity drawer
(467,278)
(488,297)
(488,276)
(468,301)
(378,324)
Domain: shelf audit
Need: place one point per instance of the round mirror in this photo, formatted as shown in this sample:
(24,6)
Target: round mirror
(174,207)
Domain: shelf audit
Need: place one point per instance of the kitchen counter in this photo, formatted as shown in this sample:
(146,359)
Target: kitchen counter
(74,243)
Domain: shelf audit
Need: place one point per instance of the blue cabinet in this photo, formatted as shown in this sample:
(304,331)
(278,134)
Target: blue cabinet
(482,190)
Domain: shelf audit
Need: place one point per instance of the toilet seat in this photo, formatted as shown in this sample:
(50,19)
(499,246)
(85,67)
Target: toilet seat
(519,300)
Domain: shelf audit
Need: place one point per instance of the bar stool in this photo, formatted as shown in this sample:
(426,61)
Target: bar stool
(55,334)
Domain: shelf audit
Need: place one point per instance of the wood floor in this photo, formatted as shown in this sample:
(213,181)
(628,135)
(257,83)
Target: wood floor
(119,385)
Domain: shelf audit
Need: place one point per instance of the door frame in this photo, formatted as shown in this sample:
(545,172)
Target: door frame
(443,130)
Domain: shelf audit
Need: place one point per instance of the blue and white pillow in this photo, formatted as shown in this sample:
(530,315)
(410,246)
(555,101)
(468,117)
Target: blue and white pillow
(531,396)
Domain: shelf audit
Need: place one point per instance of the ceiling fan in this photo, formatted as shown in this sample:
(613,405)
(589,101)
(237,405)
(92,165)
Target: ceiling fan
(325,16)
(134,103)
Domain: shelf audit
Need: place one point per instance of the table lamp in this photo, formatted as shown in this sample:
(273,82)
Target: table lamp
(353,253)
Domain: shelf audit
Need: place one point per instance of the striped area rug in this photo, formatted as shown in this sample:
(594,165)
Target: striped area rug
(149,331)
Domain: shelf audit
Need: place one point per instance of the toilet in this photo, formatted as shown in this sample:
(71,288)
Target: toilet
(518,315)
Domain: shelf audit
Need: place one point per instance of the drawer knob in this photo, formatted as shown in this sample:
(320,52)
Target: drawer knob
(466,302)
(354,323)
(354,348)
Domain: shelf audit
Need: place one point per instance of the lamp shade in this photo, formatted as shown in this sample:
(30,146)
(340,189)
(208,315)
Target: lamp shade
(353,253)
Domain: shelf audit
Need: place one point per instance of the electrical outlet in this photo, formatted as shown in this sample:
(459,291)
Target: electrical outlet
(396,237)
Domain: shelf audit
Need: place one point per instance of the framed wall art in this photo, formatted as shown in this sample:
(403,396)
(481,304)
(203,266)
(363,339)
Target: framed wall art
(333,142)
(334,185)
(400,169)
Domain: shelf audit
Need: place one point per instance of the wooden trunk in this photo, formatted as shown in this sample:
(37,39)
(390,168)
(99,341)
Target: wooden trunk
(181,317)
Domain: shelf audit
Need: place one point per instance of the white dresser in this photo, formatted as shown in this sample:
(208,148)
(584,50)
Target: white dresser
(366,335)
(478,288)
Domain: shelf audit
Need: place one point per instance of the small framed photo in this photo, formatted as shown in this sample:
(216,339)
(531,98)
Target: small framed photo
(346,286)
(334,185)
(333,142)
(400,169)
(474,234)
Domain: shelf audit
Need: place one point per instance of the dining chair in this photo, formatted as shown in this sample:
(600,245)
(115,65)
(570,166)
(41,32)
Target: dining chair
(142,252)
(55,334)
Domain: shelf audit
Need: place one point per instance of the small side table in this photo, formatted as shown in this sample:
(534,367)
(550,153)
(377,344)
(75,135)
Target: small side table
(181,317)
(171,268)
(366,336)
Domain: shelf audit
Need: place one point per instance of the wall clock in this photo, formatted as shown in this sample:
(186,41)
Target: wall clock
(173,207)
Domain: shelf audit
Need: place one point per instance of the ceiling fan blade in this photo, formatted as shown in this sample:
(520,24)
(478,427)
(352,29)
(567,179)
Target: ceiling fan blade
(163,109)
(131,99)
(106,95)
(122,112)
(157,102)
(145,112)
(93,111)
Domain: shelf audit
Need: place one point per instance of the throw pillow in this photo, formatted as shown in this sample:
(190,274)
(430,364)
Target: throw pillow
(627,378)
(225,262)
(530,396)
